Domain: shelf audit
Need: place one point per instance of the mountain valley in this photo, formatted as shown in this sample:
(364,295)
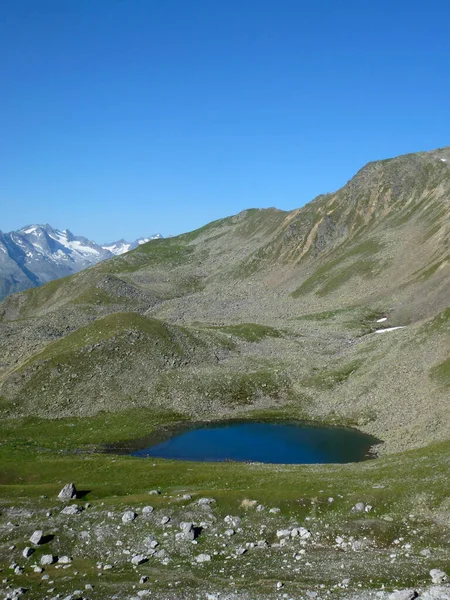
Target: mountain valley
(336,313)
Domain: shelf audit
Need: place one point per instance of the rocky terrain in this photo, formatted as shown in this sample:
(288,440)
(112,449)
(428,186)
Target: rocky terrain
(334,313)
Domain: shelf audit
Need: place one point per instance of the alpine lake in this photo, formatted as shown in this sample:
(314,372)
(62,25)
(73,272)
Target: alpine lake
(260,442)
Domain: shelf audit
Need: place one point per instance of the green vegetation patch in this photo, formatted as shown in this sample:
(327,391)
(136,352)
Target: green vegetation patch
(327,379)
(75,432)
(441,373)
(152,254)
(103,329)
(251,332)
(335,273)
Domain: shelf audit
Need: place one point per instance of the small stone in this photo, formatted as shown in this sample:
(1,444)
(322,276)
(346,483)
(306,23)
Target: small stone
(143,579)
(27,552)
(47,559)
(229,532)
(283,533)
(241,550)
(186,497)
(260,508)
(165,520)
(68,492)
(18,570)
(64,560)
(188,531)
(233,521)
(147,510)
(275,510)
(438,576)
(138,559)
(359,507)
(38,570)
(279,585)
(201,558)
(205,502)
(154,492)
(425,552)
(36,538)
(128,516)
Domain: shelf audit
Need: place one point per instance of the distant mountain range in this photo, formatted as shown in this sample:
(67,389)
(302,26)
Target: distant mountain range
(37,254)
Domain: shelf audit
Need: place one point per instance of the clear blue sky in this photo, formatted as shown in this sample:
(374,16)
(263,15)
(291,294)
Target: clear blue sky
(119,118)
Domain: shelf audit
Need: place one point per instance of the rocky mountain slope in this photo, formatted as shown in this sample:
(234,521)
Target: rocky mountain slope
(286,302)
(37,254)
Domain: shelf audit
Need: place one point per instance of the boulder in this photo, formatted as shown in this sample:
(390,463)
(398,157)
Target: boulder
(68,492)
(72,509)
(27,552)
(282,533)
(37,537)
(202,558)
(47,559)
(128,516)
(403,595)
(438,576)
(138,559)
(233,521)
(147,510)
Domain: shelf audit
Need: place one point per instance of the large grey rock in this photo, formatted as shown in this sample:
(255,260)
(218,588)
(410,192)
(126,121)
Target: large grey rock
(128,516)
(138,559)
(282,533)
(47,559)
(403,595)
(202,558)
(27,552)
(68,492)
(72,509)
(147,510)
(37,537)
(232,521)
(438,576)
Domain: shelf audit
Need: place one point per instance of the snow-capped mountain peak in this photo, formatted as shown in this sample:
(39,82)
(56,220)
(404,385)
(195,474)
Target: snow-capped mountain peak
(36,254)
(122,246)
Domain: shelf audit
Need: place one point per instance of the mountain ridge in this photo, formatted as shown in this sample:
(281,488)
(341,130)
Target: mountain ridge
(36,254)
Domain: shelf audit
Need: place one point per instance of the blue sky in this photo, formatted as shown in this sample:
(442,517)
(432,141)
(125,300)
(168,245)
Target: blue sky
(120,118)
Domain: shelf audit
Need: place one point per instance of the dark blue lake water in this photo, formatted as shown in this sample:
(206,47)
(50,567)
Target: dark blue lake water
(285,443)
